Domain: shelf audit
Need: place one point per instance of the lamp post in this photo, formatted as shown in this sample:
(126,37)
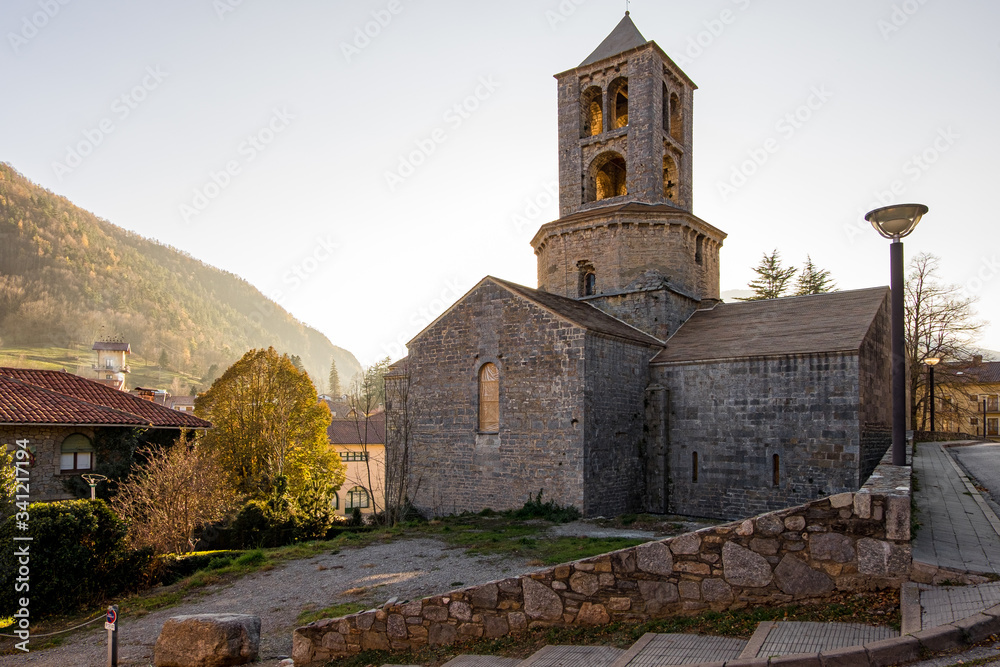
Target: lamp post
(897,222)
(931,363)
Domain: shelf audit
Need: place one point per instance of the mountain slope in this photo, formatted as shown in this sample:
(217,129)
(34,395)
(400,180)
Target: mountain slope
(68,278)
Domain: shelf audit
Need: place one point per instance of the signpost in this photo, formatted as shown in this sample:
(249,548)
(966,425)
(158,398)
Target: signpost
(111,625)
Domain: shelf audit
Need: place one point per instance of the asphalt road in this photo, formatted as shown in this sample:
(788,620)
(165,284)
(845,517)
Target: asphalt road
(983,463)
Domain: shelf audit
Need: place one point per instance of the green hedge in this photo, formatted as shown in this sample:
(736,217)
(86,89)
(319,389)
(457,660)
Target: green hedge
(77,556)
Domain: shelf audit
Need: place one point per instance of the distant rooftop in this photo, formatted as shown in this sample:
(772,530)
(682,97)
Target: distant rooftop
(112,346)
(623,38)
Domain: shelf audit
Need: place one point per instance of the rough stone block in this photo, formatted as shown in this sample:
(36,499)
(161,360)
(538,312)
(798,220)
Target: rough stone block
(832,546)
(686,545)
(897,518)
(592,614)
(442,634)
(657,595)
(540,601)
(842,500)
(495,626)
(689,590)
(655,558)
(795,523)
(798,579)
(978,627)
(584,583)
(208,640)
(769,525)
(893,651)
(716,590)
(484,597)
(745,568)
(863,505)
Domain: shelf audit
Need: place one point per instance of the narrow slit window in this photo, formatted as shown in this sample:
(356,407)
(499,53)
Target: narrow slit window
(776,470)
(489,399)
(694,467)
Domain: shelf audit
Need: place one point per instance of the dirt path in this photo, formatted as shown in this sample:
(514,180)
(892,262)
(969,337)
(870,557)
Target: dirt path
(406,568)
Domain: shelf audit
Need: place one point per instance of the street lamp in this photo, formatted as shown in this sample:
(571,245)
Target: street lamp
(931,363)
(897,222)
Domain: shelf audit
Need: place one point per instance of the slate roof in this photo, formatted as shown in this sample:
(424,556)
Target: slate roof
(986,372)
(624,37)
(29,396)
(352,431)
(834,322)
(581,313)
(112,347)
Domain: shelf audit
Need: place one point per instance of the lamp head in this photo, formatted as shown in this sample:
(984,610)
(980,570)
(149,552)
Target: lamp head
(932,361)
(897,221)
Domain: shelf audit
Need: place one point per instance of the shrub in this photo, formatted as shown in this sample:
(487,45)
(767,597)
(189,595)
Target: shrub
(550,511)
(79,555)
(314,513)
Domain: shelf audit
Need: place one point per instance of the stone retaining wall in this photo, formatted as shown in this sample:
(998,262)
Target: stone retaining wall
(851,541)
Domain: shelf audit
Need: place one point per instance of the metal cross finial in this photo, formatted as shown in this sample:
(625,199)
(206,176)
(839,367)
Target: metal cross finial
(628,6)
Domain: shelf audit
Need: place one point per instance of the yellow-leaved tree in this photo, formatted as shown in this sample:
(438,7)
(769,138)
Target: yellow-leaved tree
(270,428)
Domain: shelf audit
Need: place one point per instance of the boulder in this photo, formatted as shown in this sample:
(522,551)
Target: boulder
(208,640)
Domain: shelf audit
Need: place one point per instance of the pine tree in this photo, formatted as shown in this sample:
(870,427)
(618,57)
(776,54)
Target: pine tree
(772,278)
(813,280)
(334,379)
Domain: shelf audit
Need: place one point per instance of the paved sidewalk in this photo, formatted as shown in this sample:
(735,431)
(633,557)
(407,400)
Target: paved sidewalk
(955,532)
(945,604)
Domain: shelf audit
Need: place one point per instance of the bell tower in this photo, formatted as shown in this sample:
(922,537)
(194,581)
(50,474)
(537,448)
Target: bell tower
(627,240)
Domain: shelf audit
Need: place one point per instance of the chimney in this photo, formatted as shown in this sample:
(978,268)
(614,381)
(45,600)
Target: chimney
(977,360)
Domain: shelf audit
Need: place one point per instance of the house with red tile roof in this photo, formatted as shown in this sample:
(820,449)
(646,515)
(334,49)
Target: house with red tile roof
(60,415)
(360,442)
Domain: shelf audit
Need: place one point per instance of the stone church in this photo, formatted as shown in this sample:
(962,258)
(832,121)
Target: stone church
(622,383)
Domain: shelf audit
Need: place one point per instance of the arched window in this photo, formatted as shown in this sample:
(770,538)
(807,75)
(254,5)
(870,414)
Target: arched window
(666,109)
(776,470)
(592,112)
(590,284)
(489,399)
(670,178)
(699,250)
(357,498)
(694,467)
(76,454)
(618,101)
(608,178)
(335,501)
(676,118)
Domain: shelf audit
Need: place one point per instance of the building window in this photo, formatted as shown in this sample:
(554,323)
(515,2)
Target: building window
(676,118)
(666,109)
(608,177)
(699,250)
(590,284)
(776,470)
(992,402)
(357,498)
(618,99)
(489,399)
(694,467)
(993,426)
(353,456)
(592,112)
(76,454)
(669,178)
(108,363)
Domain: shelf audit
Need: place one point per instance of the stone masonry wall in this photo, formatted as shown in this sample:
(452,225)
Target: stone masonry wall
(617,375)
(736,415)
(874,385)
(45,479)
(848,542)
(660,313)
(540,358)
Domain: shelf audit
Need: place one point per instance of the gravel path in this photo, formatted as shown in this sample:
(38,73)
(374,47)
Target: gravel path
(407,569)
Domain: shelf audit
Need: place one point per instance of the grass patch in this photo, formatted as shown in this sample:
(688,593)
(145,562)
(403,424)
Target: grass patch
(873,608)
(336,611)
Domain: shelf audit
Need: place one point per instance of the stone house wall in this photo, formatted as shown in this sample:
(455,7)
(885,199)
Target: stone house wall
(659,312)
(848,542)
(617,375)
(540,358)
(47,483)
(737,415)
(874,388)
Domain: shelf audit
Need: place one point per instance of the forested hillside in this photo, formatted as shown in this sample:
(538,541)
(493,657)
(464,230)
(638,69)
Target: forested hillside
(68,278)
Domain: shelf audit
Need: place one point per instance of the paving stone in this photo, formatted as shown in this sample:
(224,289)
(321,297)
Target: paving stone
(481,661)
(677,649)
(574,656)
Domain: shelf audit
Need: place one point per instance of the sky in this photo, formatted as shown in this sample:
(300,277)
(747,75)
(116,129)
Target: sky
(367,163)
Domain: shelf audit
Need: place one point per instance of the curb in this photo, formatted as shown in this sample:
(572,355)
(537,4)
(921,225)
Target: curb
(887,652)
